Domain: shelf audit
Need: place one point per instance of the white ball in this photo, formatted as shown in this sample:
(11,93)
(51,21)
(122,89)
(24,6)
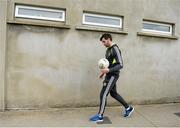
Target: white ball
(103,63)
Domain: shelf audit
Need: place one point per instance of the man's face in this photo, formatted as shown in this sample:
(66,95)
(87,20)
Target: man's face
(106,42)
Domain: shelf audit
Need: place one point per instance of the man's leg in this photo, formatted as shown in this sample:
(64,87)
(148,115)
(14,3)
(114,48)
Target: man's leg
(116,96)
(107,86)
(128,109)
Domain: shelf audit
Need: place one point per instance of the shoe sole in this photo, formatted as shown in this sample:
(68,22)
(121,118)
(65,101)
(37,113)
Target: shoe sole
(98,121)
(130,113)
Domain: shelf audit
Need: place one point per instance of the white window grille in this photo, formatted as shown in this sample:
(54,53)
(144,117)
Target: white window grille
(102,20)
(41,13)
(157,28)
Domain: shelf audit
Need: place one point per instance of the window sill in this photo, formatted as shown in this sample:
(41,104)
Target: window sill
(101,29)
(39,23)
(157,35)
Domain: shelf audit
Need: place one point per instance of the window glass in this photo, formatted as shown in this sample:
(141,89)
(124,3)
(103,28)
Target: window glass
(102,20)
(39,13)
(155,27)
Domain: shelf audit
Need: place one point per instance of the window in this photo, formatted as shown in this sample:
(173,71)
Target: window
(102,20)
(39,13)
(157,28)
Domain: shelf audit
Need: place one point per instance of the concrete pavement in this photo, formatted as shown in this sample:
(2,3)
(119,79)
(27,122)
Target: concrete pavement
(156,115)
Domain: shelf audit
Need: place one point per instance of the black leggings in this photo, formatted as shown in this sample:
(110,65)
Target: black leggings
(109,86)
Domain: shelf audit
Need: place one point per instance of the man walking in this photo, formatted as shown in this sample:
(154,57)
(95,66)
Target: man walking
(113,55)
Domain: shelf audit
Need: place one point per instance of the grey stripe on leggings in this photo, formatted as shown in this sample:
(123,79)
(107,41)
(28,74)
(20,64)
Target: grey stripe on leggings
(105,94)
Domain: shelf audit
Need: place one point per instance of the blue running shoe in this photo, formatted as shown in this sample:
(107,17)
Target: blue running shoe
(96,118)
(128,111)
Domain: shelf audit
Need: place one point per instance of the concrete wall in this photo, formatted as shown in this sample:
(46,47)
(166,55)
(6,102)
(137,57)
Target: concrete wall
(3,14)
(52,65)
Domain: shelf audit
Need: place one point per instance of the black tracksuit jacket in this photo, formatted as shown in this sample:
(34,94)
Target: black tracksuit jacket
(113,55)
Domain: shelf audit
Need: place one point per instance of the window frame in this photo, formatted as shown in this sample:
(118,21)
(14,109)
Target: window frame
(120,18)
(17,15)
(156,31)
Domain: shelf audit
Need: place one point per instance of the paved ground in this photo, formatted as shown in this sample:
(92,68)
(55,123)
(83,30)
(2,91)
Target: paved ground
(158,115)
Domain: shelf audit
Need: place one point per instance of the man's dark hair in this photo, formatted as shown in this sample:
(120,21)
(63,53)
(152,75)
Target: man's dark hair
(106,36)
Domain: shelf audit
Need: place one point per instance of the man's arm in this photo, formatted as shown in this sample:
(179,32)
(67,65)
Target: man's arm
(118,60)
